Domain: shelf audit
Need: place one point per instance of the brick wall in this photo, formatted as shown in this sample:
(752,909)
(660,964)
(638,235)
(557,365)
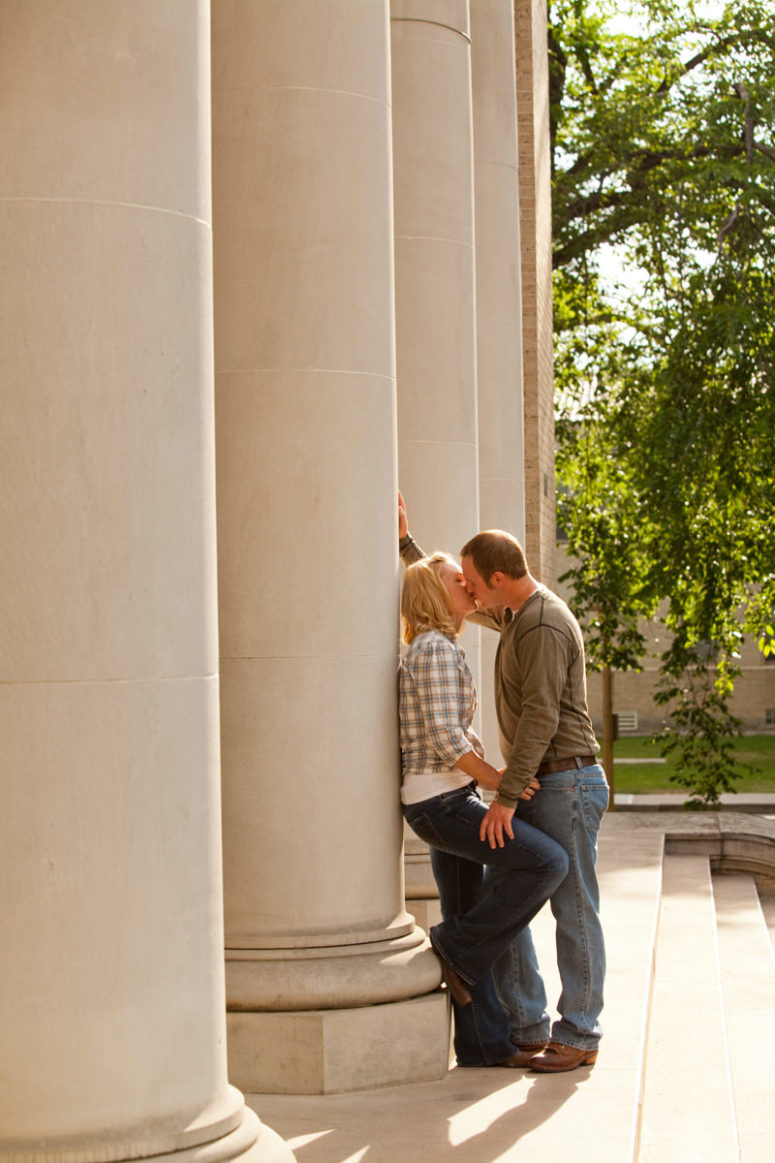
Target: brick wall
(536,230)
(753,701)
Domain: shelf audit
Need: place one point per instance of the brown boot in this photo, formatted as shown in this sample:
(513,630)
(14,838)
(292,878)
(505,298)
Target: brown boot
(557,1057)
(451,978)
(525,1055)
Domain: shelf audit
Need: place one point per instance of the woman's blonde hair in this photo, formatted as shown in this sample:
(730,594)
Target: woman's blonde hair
(424,600)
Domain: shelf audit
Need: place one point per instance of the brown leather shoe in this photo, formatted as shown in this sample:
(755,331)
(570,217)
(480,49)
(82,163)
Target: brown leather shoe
(454,983)
(525,1055)
(557,1057)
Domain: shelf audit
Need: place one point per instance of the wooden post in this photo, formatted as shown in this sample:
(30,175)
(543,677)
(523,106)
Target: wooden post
(608,732)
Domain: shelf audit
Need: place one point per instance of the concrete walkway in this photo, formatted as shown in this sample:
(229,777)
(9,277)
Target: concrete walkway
(690,1006)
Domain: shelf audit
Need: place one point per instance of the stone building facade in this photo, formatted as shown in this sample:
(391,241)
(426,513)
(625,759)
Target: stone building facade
(262,261)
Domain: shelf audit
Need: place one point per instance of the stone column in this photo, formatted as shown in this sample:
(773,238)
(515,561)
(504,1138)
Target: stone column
(316,931)
(498,283)
(536,225)
(498,298)
(434,248)
(112,1026)
(435,304)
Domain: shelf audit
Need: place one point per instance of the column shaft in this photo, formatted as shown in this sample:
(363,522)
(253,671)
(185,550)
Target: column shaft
(498,283)
(498,298)
(434,248)
(435,304)
(305,401)
(111,1007)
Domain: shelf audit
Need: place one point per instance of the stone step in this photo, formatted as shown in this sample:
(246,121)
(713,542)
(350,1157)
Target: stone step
(767,899)
(748,984)
(471,1116)
(597,1117)
(685,1068)
(687,1112)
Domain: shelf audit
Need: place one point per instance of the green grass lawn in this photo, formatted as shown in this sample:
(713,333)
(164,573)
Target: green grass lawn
(756,750)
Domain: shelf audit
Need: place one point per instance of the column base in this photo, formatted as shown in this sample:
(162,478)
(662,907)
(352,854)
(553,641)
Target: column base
(250,1142)
(426,911)
(422,895)
(336,977)
(268,1148)
(329,1051)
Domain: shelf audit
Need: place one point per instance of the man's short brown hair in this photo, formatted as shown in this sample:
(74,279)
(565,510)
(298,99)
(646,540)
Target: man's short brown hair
(495,551)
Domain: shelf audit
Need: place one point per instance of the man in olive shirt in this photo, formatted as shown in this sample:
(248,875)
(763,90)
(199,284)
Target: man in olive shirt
(540,695)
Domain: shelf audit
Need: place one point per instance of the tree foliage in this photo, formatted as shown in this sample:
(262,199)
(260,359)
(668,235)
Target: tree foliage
(672,120)
(663,159)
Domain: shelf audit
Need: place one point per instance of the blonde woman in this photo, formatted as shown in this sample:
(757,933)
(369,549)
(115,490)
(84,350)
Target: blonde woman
(442,765)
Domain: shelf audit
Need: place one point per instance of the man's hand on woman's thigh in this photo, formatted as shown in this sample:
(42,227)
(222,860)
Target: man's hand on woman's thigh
(495,823)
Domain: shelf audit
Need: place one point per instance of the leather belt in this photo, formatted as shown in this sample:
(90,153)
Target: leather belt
(550,765)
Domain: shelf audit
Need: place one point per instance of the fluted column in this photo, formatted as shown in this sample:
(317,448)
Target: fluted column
(498,297)
(112,1026)
(316,931)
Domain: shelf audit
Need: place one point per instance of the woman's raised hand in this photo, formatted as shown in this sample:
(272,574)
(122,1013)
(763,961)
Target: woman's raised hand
(403,524)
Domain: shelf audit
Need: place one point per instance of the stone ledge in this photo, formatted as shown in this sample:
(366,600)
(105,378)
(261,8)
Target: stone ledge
(331,977)
(334,1051)
(733,840)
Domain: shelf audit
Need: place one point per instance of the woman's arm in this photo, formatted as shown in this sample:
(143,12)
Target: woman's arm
(480,770)
(410,552)
(435,677)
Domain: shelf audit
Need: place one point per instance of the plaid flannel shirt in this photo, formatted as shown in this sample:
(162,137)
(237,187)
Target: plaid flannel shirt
(437,702)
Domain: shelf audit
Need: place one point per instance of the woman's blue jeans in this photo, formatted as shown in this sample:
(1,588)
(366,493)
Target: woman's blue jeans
(481,920)
(569,808)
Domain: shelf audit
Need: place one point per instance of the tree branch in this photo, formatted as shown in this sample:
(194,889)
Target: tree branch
(748,36)
(636,166)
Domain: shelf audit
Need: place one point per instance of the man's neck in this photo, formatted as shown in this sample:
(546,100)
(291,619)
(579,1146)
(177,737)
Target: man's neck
(518,590)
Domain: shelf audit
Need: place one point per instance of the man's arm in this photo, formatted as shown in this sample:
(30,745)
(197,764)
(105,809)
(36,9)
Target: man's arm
(499,817)
(543,661)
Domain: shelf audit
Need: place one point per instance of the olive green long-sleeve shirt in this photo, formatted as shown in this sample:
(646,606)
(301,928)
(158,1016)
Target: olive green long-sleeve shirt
(540,685)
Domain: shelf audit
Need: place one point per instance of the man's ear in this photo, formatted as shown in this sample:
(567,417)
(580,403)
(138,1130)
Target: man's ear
(497,580)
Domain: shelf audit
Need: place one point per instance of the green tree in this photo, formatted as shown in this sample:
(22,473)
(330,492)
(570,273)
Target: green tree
(661,149)
(598,508)
(668,125)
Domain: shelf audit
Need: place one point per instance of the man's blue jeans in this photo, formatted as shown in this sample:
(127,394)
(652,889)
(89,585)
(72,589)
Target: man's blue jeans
(480,922)
(569,808)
